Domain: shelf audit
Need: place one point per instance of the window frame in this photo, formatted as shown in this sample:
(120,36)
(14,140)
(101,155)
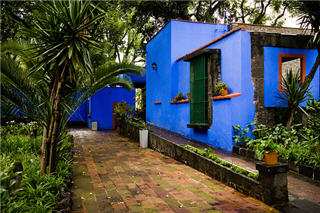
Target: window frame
(302,66)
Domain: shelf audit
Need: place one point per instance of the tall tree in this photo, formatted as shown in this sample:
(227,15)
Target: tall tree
(61,46)
(309,16)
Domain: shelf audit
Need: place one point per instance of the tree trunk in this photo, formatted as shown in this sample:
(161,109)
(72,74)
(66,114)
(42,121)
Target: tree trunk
(47,131)
(56,125)
(313,71)
(47,158)
(290,121)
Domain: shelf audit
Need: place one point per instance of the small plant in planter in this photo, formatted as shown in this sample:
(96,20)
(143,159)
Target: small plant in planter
(267,148)
(221,89)
(120,112)
(178,97)
(131,111)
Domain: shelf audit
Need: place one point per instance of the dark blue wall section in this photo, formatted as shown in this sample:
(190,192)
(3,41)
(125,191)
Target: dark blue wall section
(101,105)
(81,114)
(271,71)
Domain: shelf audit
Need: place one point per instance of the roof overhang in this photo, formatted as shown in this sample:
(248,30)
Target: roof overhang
(200,52)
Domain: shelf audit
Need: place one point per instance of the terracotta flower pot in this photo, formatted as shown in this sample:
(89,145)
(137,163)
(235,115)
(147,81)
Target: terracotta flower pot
(271,158)
(224,92)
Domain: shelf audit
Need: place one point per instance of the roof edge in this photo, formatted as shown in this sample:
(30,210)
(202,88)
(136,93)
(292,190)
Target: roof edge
(215,40)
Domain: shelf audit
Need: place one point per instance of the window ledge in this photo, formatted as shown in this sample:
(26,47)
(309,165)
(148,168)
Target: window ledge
(220,97)
(157,102)
(180,102)
(198,126)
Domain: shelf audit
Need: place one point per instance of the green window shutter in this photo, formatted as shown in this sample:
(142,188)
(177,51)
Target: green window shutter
(198,91)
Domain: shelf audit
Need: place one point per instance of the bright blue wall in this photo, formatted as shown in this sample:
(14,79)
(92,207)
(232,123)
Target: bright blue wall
(175,40)
(158,83)
(167,82)
(102,105)
(271,71)
(81,114)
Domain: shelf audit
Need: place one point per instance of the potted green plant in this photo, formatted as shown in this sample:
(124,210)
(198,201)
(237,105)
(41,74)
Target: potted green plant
(178,97)
(131,111)
(221,89)
(268,149)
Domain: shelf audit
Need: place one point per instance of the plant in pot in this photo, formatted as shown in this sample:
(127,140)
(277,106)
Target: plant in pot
(268,149)
(178,97)
(221,89)
(131,111)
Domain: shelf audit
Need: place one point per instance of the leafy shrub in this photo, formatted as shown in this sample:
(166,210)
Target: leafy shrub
(299,145)
(313,110)
(36,193)
(13,128)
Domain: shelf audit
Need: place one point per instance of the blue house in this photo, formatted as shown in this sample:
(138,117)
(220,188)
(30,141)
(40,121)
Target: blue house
(191,57)
(99,108)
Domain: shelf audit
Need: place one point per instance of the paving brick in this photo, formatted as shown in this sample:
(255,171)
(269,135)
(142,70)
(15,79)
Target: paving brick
(112,174)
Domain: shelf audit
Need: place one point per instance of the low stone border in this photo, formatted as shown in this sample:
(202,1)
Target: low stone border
(304,170)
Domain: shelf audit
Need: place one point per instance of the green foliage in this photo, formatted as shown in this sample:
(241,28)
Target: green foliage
(241,137)
(220,87)
(208,153)
(313,110)
(31,129)
(131,109)
(299,145)
(36,193)
(138,122)
(293,94)
(179,97)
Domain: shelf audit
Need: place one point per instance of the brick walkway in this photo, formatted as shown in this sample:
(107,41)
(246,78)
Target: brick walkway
(111,174)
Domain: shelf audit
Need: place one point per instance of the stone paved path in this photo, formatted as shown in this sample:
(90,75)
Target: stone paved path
(111,174)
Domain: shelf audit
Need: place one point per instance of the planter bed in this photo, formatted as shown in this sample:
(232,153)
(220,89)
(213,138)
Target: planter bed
(307,171)
(226,175)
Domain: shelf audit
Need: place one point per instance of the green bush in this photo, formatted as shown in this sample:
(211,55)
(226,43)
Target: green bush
(299,145)
(11,127)
(313,110)
(36,193)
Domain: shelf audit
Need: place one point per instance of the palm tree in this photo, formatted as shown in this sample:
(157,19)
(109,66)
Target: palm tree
(29,92)
(61,36)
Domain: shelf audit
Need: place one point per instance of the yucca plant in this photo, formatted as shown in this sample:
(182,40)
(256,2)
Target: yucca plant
(293,94)
(62,68)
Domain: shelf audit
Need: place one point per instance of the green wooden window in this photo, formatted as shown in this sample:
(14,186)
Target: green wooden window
(198,92)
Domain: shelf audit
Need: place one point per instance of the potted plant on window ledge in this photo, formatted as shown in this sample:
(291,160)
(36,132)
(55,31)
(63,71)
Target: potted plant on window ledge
(221,89)
(178,97)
